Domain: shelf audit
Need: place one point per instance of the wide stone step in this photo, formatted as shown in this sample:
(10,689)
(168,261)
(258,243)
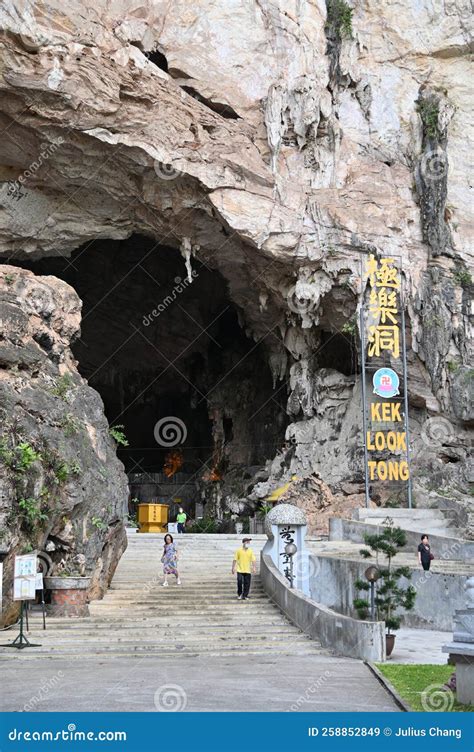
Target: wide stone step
(202,617)
(175,601)
(210,614)
(144,638)
(302,649)
(204,627)
(173,594)
(265,628)
(124,587)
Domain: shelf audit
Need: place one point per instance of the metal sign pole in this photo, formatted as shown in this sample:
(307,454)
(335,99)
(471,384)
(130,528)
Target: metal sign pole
(43,608)
(364,414)
(21,641)
(405,400)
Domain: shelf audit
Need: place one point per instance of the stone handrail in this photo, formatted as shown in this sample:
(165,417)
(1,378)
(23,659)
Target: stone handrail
(343,634)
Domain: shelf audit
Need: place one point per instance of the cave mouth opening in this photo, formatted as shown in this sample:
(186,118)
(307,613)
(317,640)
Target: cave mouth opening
(179,378)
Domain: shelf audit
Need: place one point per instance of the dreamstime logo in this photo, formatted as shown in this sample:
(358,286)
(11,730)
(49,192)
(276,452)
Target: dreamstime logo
(434,165)
(151,584)
(170,698)
(437,431)
(42,692)
(437,699)
(45,563)
(166,171)
(170,431)
(14,190)
(300,298)
(312,690)
(179,287)
(305,567)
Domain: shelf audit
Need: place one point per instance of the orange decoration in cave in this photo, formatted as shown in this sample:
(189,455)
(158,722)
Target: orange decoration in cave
(173,462)
(213,474)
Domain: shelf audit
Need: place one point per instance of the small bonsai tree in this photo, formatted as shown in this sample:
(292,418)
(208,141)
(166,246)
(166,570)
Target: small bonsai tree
(390,595)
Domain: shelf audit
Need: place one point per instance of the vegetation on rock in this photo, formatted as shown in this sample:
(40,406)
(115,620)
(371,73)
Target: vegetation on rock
(429,113)
(339,19)
(118,435)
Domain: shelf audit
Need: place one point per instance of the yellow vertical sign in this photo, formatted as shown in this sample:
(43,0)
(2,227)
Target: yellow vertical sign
(384,337)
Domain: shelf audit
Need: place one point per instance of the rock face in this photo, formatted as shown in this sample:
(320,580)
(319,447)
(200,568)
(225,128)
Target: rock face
(279,143)
(63,490)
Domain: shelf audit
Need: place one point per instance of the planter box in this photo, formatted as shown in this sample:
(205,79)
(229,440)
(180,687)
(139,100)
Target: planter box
(68,596)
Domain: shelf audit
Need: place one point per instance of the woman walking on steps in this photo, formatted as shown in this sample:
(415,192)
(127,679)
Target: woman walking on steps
(170,560)
(425,557)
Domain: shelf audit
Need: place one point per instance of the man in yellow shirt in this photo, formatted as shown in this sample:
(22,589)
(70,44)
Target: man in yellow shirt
(244,562)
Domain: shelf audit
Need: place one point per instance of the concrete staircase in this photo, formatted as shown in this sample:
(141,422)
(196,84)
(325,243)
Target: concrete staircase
(431,521)
(139,617)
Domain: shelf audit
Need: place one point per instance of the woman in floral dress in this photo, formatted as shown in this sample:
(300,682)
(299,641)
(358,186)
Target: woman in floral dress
(170,560)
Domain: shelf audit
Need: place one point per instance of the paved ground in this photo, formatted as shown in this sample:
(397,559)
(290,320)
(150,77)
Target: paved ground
(282,683)
(420,646)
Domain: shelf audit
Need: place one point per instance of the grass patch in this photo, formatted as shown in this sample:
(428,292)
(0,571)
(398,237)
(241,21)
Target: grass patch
(411,681)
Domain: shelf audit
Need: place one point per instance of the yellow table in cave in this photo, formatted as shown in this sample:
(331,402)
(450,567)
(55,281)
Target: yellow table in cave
(152,518)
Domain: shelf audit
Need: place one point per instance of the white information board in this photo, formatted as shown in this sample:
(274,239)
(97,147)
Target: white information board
(24,582)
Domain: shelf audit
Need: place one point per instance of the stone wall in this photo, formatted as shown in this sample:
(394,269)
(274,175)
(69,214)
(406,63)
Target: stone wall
(344,635)
(438,594)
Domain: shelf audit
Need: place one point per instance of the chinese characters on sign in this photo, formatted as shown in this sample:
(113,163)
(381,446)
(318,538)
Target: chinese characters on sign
(286,536)
(15,191)
(384,338)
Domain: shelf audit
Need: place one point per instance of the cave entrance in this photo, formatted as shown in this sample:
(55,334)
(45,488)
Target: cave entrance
(192,394)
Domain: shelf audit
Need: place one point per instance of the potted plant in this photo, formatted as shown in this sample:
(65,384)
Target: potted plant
(390,594)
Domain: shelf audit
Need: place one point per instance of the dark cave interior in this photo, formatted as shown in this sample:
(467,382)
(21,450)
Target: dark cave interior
(160,348)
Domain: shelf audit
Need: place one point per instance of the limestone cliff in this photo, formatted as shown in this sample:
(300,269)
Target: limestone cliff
(278,142)
(63,491)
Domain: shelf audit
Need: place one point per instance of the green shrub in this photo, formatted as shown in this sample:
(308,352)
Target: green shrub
(118,435)
(339,18)
(204,525)
(350,327)
(390,595)
(429,113)
(62,386)
(462,277)
(19,458)
(62,472)
(31,511)
(71,425)
(75,468)
(98,523)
